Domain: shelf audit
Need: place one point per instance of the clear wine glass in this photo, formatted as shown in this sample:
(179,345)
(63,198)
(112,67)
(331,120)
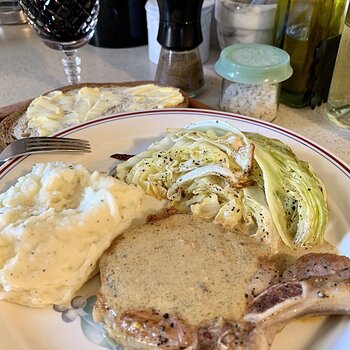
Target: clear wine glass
(63,25)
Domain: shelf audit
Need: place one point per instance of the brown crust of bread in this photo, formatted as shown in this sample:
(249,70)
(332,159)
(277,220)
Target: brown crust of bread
(7,124)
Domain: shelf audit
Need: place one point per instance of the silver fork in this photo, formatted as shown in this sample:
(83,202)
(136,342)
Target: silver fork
(32,145)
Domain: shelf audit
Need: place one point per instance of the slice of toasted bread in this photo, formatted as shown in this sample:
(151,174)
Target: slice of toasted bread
(16,124)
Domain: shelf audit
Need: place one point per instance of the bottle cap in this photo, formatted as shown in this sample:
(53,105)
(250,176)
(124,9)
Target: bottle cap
(180,24)
(254,64)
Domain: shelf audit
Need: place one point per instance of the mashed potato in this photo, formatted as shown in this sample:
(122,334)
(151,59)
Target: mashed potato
(55,223)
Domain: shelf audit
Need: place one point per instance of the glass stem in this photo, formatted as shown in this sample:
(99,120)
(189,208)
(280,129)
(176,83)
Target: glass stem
(71,62)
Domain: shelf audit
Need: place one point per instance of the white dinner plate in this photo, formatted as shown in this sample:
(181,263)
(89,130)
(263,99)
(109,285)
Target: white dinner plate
(43,329)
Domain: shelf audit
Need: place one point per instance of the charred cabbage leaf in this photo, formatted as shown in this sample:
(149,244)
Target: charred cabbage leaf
(240,180)
(295,195)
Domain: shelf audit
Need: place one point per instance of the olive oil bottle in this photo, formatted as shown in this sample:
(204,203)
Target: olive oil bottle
(337,108)
(301,26)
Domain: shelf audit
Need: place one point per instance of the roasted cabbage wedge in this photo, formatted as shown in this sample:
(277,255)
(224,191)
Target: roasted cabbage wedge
(295,195)
(240,180)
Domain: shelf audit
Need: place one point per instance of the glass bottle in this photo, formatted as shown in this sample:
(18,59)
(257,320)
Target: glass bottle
(337,108)
(300,27)
(179,35)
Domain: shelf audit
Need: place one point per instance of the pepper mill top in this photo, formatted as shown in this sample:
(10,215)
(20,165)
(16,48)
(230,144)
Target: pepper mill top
(180,24)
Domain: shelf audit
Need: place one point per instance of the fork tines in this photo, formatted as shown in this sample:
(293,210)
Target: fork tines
(32,145)
(51,143)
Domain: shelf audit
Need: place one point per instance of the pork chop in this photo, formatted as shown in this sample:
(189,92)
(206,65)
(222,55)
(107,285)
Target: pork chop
(182,267)
(185,283)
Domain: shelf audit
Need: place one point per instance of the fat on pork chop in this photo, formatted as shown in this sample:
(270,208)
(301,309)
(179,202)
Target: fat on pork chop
(185,283)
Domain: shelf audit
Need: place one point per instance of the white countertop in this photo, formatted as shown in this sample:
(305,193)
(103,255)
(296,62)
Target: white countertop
(28,68)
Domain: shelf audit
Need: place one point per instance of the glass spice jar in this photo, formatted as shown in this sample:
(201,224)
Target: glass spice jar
(242,21)
(252,74)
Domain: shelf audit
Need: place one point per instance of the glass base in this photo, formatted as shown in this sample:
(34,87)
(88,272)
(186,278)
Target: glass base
(338,115)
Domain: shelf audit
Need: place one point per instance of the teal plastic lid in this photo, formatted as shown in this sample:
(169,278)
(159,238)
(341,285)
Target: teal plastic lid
(254,64)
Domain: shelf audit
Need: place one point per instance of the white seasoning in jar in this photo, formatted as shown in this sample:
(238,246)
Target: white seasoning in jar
(258,101)
(252,76)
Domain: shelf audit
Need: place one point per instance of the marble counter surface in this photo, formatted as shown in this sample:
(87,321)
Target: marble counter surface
(28,68)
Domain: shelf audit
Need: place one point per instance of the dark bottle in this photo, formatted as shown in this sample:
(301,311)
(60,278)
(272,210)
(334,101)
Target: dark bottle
(62,21)
(303,26)
(179,35)
(121,23)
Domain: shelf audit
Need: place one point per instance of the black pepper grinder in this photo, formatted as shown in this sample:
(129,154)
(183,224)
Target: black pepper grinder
(179,35)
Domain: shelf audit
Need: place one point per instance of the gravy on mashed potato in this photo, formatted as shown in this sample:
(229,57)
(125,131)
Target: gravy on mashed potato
(55,223)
